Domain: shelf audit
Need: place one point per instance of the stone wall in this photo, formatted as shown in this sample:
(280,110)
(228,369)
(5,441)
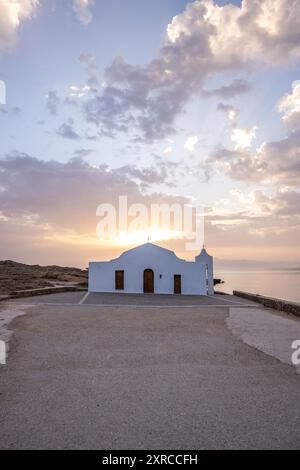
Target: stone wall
(43,291)
(292,308)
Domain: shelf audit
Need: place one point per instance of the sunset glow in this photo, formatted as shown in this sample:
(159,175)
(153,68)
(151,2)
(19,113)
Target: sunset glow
(190,103)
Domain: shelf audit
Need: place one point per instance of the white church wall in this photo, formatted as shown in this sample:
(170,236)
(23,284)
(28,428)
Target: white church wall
(164,264)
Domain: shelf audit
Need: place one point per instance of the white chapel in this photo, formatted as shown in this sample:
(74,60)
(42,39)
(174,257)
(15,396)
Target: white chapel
(150,268)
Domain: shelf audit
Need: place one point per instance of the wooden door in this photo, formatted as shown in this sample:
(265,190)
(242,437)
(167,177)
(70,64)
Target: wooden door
(148,281)
(119,280)
(177,284)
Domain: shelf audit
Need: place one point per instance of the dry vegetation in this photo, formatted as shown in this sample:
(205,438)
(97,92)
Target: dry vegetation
(17,276)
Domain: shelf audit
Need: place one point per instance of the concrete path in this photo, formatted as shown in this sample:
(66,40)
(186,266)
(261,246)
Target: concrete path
(94,377)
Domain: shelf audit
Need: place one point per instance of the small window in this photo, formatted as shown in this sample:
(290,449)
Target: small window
(119,280)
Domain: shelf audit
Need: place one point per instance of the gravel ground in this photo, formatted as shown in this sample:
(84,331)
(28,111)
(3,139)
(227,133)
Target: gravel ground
(91,377)
(267,330)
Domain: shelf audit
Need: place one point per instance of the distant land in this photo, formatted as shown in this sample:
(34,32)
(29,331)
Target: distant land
(18,276)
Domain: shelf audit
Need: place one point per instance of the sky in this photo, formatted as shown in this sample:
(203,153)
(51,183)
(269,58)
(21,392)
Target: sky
(164,101)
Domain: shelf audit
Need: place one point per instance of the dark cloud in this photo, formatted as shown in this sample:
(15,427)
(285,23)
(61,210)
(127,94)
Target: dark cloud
(237,87)
(226,108)
(66,130)
(231,111)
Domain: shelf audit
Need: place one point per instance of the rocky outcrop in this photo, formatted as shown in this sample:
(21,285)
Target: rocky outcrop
(17,276)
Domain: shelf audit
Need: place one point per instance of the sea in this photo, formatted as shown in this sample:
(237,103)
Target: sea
(281,284)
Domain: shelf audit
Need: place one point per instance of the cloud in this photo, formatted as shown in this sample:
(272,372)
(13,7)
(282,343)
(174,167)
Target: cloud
(237,164)
(80,186)
(231,111)
(258,30)
(281,159)
(168,149)
(82,9)
(118,108)
(237,87)
(79,91)
(86,58)
(82,153)
(66,130)
(277,161)
(191,143)
(284,203)
(243,137)
(264,222)
(52,102)
(88,63)
(289,106)
(64,196)
(204,41)
(12,14)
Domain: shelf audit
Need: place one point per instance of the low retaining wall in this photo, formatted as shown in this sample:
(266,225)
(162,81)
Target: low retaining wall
(44,291)
(4,297)
(277,304)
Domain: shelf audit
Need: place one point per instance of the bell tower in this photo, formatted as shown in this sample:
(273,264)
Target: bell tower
(207,261)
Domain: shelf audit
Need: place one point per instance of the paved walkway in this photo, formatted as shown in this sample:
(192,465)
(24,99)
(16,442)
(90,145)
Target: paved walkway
(140,300)
(94,377)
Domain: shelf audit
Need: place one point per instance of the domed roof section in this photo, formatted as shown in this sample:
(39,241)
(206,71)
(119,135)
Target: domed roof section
(148,250)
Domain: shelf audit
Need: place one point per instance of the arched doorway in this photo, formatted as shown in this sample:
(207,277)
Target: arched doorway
(148,281)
